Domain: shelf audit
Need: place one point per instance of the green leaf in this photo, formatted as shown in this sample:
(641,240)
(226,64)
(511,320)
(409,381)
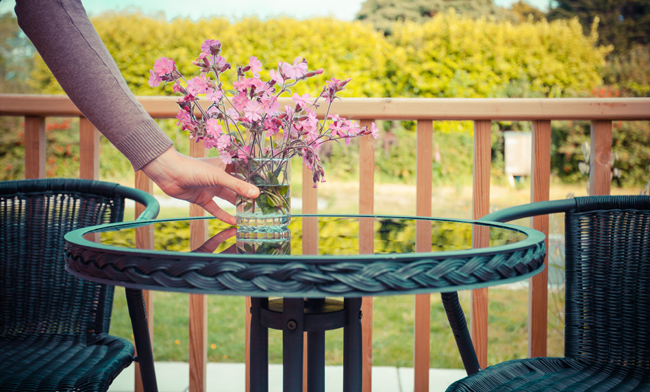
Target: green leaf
(258,180)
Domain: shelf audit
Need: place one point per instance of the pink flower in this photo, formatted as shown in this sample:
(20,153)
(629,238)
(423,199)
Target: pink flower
(303,101)
(154,79)
(374,131)
(276,76)
(271,105)
(339,126)
(271,128)
(256,66)
(197,85)
(233,115)
(334,82)
(164,66)
(219,62)
(253,111)
(297,70)
(242,85)
(212,111)
(183,116)
(213,128)
(209,143)
(262,87)
(214,95)
(177,88)
(239,101)
(209,44)
(225,157)
(223,142)
(310,125)
(244,153)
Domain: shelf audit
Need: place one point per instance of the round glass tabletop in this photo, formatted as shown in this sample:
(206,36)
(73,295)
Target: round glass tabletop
(317,255)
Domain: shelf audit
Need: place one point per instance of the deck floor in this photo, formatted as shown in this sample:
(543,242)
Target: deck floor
(230,377)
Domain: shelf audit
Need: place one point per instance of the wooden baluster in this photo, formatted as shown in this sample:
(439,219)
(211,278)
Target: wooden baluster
(144,240)
(481,207)
(309,239)
(34,147)
(540,191)
(366,244)
(198,303)
(424,179)
(88,150)
(600,163)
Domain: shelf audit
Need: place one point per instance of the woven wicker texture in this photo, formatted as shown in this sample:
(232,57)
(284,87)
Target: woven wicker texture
(353,277)
(607,331)
(53,326)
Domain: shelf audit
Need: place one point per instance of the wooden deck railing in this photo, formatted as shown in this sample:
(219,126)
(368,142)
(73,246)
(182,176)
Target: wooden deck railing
(601,113)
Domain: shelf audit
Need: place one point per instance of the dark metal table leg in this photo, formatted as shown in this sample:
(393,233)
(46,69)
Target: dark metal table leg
(458,325)
(138,314)
(292,343)
(259,348)
(315,352)
(352,352)
(316,361)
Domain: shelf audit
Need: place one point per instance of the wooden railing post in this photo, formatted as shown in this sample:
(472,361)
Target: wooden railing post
(600,158)
(309,240)
(366,244)
(481,207)
(34,147)
(198,303)
(144,240)
(424,179)
(540,191)
(88,150)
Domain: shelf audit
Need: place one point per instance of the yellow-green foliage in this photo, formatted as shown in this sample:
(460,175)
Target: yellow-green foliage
(449,56)
(342,49)
(452,56)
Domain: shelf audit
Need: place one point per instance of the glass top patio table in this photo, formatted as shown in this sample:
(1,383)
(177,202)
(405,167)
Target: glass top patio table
(318,256)
(409,255)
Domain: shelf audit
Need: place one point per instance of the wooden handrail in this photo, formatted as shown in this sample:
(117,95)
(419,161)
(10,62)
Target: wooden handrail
(495,109)
(601,112)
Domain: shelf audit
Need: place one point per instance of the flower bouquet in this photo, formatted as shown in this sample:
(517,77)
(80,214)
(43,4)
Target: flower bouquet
(249,129)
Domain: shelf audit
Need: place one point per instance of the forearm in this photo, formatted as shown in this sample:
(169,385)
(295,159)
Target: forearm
(72,49)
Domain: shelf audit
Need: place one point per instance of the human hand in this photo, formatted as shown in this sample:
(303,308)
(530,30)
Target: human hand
(215,241)
(198,181)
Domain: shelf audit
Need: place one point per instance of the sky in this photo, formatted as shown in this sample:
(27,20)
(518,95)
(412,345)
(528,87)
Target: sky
(237,9)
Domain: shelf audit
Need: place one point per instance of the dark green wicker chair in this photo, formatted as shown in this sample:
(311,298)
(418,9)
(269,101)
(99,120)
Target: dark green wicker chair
(607,314)
(54,326)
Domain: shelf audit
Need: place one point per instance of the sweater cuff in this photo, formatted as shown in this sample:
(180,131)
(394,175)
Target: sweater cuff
(144,144)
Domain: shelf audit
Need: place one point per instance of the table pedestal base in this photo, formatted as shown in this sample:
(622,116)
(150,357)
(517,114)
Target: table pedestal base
(294,316)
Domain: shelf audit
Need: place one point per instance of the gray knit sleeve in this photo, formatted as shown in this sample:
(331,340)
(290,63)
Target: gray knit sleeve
(72,49)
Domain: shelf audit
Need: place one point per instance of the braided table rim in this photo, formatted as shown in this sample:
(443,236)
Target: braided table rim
(301,276)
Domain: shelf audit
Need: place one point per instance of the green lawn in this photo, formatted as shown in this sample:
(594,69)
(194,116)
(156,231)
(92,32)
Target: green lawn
(392,332)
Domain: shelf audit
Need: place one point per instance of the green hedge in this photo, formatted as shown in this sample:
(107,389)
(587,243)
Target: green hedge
(449,56)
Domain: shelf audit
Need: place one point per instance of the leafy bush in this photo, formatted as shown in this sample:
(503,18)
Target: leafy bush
(452,56)
(448,56)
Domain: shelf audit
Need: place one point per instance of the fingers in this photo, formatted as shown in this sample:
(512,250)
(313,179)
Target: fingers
(240,187)
(225,194)
(212,208)
(222,177)
(213,243)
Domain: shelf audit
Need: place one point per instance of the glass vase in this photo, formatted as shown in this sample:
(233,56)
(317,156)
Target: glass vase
(267,217)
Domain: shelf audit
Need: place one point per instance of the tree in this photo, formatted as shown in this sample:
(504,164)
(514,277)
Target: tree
(622,23)
(384,13)
(524,10)
(16,53)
